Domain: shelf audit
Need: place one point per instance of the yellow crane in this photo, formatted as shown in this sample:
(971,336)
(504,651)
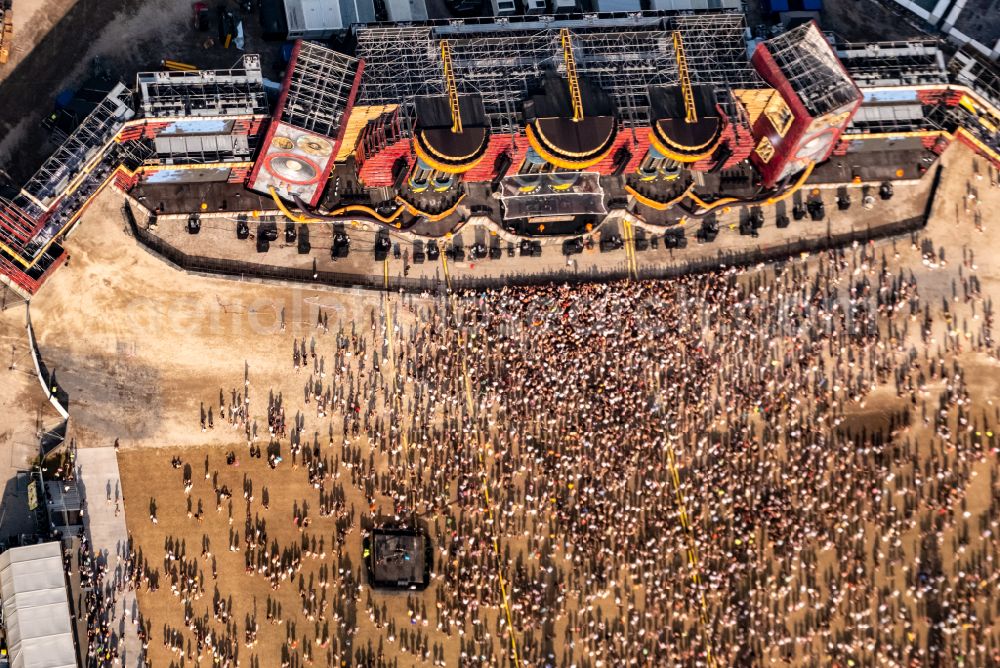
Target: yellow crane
(690,113)
(574,83)
(452,86)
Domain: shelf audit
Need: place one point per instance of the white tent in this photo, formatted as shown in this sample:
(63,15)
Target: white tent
(36,607)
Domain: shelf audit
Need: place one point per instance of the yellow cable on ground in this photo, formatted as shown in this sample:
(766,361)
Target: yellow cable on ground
(692,550)
(654,204)
(714,205)
(431,217)
(633,266)
(798,184)
(284,209)
(447,276)
(368,211)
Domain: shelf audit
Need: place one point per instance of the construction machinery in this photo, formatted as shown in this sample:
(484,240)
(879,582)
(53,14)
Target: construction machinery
(571,75)
(451,86)
(690,112)
(6,30)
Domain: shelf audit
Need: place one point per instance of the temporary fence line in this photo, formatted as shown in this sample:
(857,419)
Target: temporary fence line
(36,357)
(246,271)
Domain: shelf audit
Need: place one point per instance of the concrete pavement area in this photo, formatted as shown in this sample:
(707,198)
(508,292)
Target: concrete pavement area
(100,482)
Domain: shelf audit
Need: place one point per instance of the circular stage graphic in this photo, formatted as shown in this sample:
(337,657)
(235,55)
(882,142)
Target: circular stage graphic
(292,168)
(314,145)
(284,143)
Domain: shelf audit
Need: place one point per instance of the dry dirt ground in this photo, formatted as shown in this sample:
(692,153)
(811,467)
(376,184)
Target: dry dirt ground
(142,350)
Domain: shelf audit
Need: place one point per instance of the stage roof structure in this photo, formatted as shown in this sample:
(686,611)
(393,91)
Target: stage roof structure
(181,94)
(36,607)
(503,61)
(86,142)
(319,89)
(302,141)
(978,72)
(811,67)
(904,63)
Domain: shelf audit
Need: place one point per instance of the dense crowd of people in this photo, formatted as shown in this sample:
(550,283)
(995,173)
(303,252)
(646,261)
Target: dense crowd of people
(746,467)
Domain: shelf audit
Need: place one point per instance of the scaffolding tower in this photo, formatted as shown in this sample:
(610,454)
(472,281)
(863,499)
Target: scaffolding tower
(180,94)
(502,62)
(905,63)
(87,141)
(893,117)
(811,67)
(977,72)
(200,149)
(319,89)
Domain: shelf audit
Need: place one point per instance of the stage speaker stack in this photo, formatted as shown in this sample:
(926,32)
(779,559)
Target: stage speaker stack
(382,246)
(267,231)
(572,246)
(675,239)
(304,247)
(817,210)
(708,232)
(341,245)
(611,242)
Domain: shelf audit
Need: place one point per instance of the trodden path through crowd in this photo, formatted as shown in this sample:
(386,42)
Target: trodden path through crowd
(104,520)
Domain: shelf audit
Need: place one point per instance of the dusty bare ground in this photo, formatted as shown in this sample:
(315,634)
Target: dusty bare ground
(138,313)
(142,348)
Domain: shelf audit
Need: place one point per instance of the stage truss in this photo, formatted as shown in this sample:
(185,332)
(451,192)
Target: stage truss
(624,55)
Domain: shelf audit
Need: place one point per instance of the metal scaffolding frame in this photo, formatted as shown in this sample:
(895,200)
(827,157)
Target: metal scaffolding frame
(179,94)
(127,153)
(319,89)
(808,62)
(908,63)
(975,71)
(202,149)
(96,130)
(503,61)
(890,118)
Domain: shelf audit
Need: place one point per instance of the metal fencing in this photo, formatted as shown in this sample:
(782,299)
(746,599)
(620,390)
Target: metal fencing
(250,271)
